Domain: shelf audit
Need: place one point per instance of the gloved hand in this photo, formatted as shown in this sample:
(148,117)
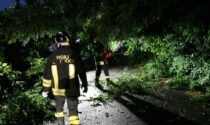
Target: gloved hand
(85,89)
(45,94)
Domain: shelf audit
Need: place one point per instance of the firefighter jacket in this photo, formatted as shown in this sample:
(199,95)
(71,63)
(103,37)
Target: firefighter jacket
(61,72)
(101,54)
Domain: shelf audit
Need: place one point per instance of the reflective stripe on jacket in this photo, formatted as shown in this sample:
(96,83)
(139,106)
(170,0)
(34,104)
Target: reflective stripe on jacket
(61,72)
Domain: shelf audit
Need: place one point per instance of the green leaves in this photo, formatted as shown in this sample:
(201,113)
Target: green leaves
(130,83)
(4,68)
(27,107)
(37,66)
(188,69)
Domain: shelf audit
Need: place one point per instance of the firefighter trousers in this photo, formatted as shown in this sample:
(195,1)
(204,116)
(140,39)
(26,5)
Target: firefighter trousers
(99,68)
(72,104)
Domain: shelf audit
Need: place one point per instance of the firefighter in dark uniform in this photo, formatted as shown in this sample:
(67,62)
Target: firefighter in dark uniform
(61,76)
(101,56)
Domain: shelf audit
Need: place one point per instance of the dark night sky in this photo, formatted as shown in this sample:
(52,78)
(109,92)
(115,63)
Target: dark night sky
(7,3)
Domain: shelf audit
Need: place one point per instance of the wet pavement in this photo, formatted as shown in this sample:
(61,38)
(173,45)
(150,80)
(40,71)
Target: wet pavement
(168,107)
(112,113)
(92,112)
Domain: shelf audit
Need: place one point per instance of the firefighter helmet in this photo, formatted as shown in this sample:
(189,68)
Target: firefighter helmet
(62,36)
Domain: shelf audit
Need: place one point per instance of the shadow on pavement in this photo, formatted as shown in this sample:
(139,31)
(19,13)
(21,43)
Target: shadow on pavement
(152,114)
(148,112)
(101,88)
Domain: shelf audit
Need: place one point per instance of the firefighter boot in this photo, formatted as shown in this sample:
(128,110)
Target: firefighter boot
(61,121)
(97,83)
(108,81)
(74,120)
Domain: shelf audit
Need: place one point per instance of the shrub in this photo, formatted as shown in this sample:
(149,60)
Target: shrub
(191,72)
(26,108)
(130,83)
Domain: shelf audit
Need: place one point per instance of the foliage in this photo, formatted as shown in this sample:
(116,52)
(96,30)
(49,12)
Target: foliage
(8,79)
(152,71)
(170,37)
(4,68)
(129,83)
(102,98)
(176,55)
(26,108)
(21,105)
(196,72)
(37,66)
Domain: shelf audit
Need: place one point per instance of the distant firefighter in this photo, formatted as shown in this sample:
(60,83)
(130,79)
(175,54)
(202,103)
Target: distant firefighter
(101,55)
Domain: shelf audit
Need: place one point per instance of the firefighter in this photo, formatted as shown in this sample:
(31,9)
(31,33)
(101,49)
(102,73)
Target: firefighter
(100,57)
(61,76)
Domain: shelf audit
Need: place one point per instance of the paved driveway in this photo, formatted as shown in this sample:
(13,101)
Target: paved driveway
(112,113)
